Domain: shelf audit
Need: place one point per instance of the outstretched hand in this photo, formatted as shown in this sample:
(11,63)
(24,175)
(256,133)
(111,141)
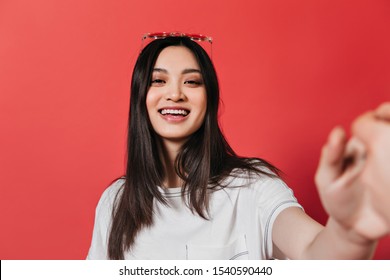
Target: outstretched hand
(343,195)
(373,130)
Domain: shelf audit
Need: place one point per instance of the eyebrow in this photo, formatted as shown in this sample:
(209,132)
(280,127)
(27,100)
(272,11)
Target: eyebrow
(185,71)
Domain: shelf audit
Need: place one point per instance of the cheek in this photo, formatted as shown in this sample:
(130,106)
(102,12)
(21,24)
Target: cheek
(203,104)
(151,100)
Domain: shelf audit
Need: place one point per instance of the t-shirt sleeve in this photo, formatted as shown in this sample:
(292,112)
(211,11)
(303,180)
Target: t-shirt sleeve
(103,214)
(273,197)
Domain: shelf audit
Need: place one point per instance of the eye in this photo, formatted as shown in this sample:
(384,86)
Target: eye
(194,83)
(157,82)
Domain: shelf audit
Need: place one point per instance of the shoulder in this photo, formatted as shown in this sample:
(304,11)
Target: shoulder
(261,186)
(103,218)
(110,194)
(261,177)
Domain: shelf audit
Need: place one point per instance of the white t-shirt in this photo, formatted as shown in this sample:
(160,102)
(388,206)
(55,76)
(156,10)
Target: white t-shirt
(239,227)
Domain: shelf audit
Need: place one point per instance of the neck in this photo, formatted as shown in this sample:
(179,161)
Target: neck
(168,154)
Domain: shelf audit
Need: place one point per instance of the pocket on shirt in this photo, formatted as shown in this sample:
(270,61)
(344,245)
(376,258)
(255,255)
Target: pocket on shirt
(237,250)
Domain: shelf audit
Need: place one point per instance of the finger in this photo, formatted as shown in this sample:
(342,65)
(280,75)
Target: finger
(362,127)
(370,130)
(330,165)
(336,145)
(383,111)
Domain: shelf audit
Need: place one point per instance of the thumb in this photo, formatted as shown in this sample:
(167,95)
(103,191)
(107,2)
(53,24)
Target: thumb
(353,161)
(331,162)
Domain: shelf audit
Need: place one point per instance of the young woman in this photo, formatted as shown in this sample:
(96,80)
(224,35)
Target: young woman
(187,195)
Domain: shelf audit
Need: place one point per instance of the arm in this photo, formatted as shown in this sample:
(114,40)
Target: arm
(307,239)
(353,227)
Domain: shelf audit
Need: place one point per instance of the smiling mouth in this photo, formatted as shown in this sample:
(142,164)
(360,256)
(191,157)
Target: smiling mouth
(174,112)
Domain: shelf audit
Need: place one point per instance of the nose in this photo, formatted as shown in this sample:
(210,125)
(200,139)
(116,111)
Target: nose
(175,93)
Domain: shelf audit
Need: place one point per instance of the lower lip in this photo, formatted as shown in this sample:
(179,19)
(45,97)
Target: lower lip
(172,118)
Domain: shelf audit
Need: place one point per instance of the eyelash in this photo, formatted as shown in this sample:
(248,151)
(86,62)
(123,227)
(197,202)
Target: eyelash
(157,81)
(191,82)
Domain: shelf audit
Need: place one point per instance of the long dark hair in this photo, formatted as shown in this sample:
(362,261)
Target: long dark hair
(203,162)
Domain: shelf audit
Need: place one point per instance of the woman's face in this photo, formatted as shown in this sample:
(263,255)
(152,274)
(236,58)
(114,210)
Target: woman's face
(176,100)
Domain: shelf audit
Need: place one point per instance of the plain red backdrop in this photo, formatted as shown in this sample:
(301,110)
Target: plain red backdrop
(289,71)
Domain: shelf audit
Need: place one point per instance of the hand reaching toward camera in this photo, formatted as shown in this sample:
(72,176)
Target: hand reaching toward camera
(373,130)
(343,193)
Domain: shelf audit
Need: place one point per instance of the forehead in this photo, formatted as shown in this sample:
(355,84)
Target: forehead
(176,57)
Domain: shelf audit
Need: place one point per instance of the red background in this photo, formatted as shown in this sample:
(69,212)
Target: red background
(289,70)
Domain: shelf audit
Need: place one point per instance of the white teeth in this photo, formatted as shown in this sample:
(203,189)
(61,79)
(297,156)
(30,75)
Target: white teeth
(174,112)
